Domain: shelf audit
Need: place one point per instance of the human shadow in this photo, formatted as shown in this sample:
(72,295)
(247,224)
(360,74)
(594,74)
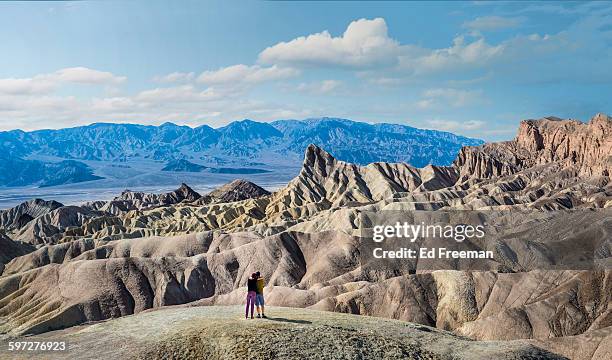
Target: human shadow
(293,321)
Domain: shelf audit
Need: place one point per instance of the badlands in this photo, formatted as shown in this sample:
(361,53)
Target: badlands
(128,258)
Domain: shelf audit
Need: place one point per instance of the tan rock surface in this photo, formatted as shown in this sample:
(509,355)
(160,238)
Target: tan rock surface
(222,333)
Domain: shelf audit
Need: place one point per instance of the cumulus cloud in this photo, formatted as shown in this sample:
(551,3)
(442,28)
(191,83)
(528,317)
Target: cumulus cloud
(113,104)
(85,75)
(449,97)
(366,47)
(24,86)
(244,74)
(460,55)
(484,23)
(320,87)
(46,83)
(175,77)
(177,94)
(456,126)
(364,43)
(184,104)
(31,102)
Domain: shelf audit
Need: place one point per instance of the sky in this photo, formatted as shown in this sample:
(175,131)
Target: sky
(472,68)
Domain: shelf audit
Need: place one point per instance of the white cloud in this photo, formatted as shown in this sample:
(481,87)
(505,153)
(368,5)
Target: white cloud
(113,104)
(175,77)
(443,97)
(425,104)
(25,105)
(460,55)
(30,103)
(366,46)
(46,83)
(493,23)
(243,74)
(364,43)
(320,87)
(24,86)
(451,125)
(178,94)
(185,104)
(85,75)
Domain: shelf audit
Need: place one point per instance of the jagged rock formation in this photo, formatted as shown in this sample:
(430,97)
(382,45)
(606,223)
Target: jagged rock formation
(144,251)
(584,148)
(127,215)
(143,200)
(238,190)
(17,217)
(326,182)
(10,249)
(50,227)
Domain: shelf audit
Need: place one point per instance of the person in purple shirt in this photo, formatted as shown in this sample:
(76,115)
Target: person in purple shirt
(251,295)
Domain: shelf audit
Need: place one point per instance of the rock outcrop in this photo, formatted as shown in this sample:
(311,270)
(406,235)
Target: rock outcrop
(325,182)
(10,249)
(238,190)
(584,147)
(19,216)
(50,227)
(218,332)
(141,200)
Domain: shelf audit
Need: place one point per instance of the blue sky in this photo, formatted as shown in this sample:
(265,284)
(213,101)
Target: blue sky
(473,68)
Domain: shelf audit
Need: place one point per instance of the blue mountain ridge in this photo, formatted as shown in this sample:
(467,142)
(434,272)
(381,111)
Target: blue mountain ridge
(245,142)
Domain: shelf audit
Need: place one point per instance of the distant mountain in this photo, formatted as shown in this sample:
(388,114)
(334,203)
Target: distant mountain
(49,157)
(250,131)
(15,171)
(183,165)
(364,143)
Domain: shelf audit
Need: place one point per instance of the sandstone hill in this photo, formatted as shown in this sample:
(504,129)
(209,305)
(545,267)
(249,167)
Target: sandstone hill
(11,249)
(142,251)
(238,190)
(223,333)
(19,216)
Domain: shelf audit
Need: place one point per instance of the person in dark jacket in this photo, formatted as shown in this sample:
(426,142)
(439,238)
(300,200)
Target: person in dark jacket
(251,295)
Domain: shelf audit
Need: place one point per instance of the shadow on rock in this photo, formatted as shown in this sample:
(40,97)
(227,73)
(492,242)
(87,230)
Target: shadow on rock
(294,321)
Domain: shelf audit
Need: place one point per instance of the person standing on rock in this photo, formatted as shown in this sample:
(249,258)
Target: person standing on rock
(259,296)
(251,295)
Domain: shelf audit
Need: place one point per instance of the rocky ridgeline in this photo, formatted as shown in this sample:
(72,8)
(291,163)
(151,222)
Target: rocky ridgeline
(583,148)
(39,222)
(237,190)
(22,214)
(180,247)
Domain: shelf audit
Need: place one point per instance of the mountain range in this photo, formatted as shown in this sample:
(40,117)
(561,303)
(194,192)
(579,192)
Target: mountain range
(73,155)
